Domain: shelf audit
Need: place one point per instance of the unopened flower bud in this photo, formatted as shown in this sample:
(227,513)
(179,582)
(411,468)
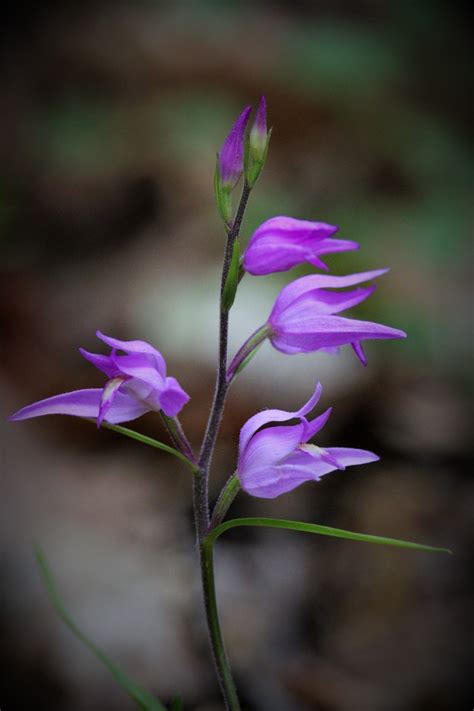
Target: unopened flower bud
(259,140)
(231,155)
(259,133)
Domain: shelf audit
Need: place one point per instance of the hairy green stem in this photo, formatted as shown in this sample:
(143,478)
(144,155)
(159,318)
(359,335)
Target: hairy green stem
(220,657)
(201,490)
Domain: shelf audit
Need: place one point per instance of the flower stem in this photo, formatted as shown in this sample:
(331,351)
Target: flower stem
(247,351)
(220,392)
(201,487)
(220,657)
(175,430)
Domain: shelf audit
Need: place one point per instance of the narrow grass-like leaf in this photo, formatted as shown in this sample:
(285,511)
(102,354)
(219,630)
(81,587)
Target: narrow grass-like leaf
(321,530)
(142,698)
(146,440)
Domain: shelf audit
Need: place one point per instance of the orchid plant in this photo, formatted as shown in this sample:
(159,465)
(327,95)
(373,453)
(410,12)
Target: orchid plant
(275,453)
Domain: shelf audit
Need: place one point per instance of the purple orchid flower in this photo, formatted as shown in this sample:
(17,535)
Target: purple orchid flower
(303,320)
(231,155)
(284,242)
(276,460)
(137,384)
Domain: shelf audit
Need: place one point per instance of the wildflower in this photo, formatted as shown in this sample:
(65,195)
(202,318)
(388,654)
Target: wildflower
(137,383)
(276,460)
(284,242)
(231,155)
(303,320)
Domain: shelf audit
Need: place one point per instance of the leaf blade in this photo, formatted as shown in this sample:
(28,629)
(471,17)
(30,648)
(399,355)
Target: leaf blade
(320,530)
(144,439)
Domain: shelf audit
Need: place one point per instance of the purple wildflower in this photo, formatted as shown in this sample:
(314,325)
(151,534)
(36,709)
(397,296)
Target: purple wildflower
(231,155)
(284,242)
(303,320)
(278,459)
(137,384)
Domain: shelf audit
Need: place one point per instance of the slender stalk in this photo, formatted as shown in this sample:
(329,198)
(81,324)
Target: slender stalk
(247,351)
(177,436)
(201,490)
(220,657)
(220,392)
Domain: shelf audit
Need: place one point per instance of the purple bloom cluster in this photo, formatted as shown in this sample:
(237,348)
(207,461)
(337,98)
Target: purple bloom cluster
(305,318)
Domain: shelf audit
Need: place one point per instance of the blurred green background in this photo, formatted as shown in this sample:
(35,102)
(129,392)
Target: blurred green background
(112,113)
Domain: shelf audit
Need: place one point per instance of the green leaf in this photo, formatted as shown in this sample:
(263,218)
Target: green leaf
(232,281)
(142,698)
(146,440)
(316,528)
(176,704)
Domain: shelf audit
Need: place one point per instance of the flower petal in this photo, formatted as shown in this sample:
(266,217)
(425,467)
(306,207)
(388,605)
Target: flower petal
(347,457)
(135,347)
(283,242)
(320,301)
(140,366)
(300,467)
(263,418)
(173,397)
(102,362)
(305,284)
(332,245)
(310,333)
(311,428)
(84,403)
(270,482)
(359,351)
(108,396)
(268,447)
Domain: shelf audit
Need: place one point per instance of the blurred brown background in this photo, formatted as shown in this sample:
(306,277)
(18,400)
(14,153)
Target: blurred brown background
(111,116)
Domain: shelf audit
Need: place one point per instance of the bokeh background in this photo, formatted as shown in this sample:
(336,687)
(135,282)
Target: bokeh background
(111,116)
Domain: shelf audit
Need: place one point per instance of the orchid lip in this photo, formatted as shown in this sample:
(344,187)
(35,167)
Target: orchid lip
(321,453)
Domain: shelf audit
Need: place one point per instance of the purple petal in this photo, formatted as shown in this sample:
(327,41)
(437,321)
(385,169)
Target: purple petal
(359,351)
(140,366)
(84,403)
(283,242)
(306,284)
(102,362)
(300,467)
(347,457)
(312,332)
(108,396)
(231,155)
(268,447)
(173,397)
(320,302)
(272,481)
(135,347)
(330,246)
(266,416)
(313,427)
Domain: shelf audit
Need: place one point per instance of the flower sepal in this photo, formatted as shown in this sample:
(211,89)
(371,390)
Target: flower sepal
(223,195)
